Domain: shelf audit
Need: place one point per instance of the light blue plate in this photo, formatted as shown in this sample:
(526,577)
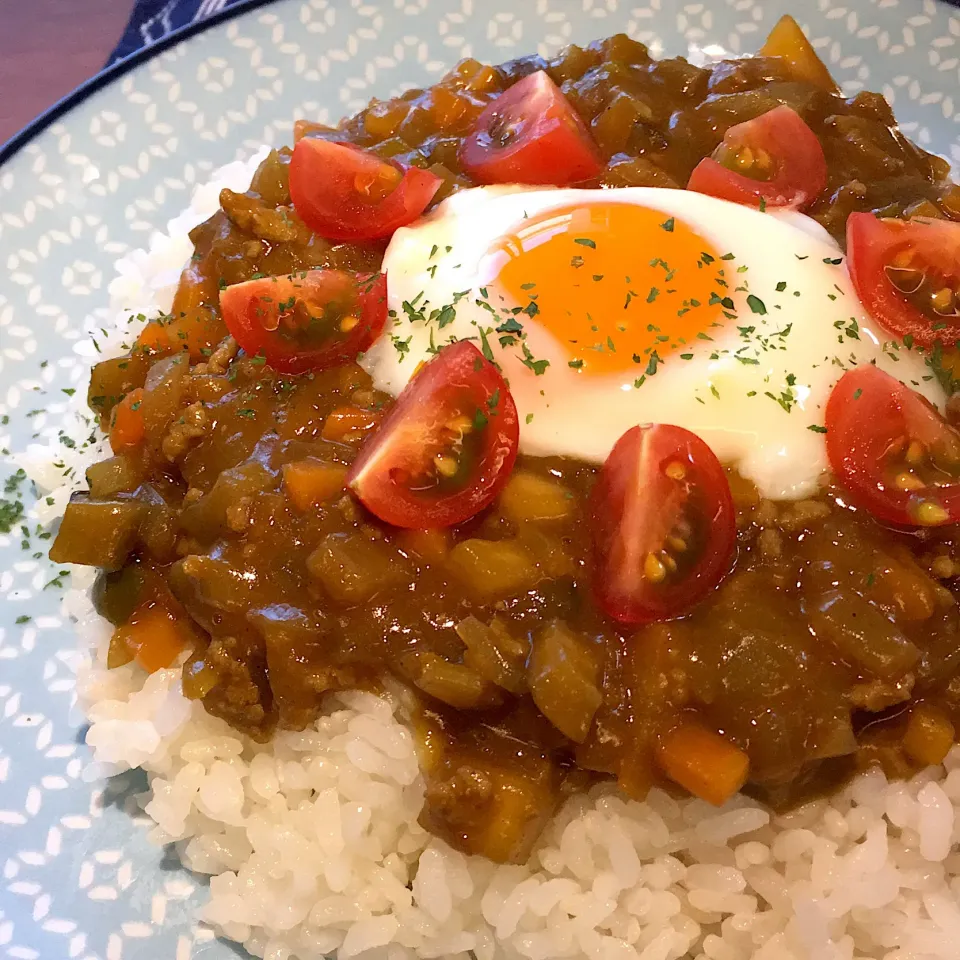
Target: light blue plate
(77,876)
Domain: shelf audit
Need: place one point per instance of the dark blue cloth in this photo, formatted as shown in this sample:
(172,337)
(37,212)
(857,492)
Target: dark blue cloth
(152,20)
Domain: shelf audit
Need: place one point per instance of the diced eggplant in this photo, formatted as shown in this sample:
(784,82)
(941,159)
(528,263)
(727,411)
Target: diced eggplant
(353,569)
(120,474)
(451,683)
(117,594)
(494,654)
(111,379)
(563,679)
(163,394)
(299,662)
(216,592)
(208,518)
(98,533)
(861,634)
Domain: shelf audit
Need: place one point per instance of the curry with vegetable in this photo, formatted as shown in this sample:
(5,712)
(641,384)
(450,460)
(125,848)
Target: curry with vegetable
(282,529)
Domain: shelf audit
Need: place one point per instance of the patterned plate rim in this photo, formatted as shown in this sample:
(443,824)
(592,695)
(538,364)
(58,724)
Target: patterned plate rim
(117,70)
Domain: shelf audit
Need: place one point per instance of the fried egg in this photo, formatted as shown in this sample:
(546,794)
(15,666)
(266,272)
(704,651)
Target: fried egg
(607,309)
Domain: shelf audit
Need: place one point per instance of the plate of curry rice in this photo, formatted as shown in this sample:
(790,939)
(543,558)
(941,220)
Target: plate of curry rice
(483,482)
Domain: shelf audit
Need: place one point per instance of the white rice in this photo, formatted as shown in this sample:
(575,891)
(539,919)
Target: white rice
(313,846)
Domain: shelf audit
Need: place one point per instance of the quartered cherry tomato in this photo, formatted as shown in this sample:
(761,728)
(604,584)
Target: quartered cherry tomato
(309,320)
(892,450)
(345,193)
(530,134)
(664,526)
(907,275)
(446,447)
(774,160)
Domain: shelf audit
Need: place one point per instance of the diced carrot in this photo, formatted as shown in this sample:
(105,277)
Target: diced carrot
(788,41)
(198,332)
(349,424)
(192,325)
(155,639)
(929,735)
(310,482)
(430,545)
(127,426)
(703,762)
(153,338)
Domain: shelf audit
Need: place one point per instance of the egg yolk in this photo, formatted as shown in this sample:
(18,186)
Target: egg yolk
(619,286)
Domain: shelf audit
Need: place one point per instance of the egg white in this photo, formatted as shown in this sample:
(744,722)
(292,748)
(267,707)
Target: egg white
(759,408)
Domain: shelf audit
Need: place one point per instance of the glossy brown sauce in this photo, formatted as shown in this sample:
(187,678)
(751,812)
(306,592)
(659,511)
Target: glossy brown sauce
(833,643)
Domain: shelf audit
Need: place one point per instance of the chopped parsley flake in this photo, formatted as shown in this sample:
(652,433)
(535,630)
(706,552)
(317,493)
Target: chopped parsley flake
(537,366)
(402,346)
(446,316)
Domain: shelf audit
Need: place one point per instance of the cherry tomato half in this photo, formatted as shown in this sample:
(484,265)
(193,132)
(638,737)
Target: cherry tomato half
(530,134)
(775,158)
(308,320)
(664,526)
(445,448)
(907,275)
(345,193)
(892,450)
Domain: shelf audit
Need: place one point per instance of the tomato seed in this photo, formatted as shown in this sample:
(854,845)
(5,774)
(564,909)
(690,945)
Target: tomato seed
(676,470)
(942,300)
(915,453)
(446,466)
(929,514)
(653,569)
(460,426)
(743,158)
(908,481)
